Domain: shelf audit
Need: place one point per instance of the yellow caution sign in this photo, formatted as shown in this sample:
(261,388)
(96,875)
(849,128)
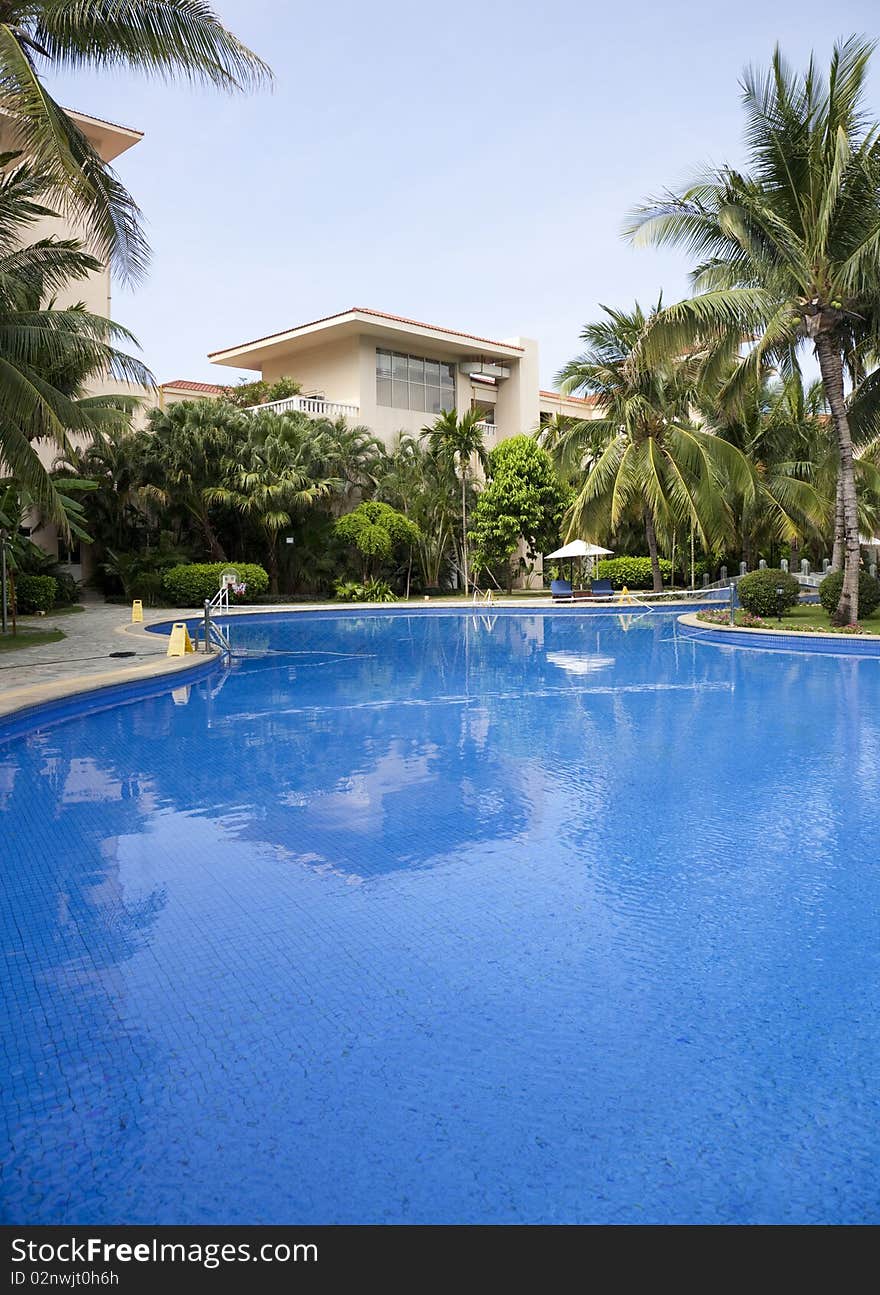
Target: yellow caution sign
(625,596)
(137,611)
(180,642)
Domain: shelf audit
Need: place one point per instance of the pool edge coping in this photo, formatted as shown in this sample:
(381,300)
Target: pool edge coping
(787,640)
(33,697)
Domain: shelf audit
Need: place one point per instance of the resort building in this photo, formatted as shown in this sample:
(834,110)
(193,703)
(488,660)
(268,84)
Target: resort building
(110,141)
(395,375)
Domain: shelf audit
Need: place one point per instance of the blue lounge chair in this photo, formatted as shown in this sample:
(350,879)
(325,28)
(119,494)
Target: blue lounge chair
(600,588)
(561,588)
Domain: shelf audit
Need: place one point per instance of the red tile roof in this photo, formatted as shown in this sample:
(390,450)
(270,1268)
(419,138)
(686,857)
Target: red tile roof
(366,310)
(184,384)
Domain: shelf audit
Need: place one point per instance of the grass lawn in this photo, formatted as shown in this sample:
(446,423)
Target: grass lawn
(813,616)
(26,638)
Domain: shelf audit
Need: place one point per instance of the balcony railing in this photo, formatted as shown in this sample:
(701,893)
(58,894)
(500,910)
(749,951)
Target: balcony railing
(311,405)
(488,429)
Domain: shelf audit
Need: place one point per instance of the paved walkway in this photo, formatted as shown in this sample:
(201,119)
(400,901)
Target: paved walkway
(83,658)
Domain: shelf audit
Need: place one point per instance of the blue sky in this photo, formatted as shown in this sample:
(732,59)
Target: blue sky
(467,164)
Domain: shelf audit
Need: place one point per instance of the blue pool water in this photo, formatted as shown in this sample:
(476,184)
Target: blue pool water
(527,918)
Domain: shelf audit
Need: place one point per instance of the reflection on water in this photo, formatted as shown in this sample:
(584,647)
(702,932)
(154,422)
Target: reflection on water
(468,918)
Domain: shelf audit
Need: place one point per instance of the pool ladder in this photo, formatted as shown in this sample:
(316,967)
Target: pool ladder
(213,637)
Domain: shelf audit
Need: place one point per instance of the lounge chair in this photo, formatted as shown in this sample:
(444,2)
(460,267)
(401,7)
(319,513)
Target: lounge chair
(600,588)
(561,589)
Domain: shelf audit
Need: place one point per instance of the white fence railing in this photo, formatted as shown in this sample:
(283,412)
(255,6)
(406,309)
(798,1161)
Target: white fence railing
(314,406)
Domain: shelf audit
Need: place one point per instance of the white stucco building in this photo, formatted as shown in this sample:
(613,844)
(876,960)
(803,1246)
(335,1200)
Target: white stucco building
(395,374)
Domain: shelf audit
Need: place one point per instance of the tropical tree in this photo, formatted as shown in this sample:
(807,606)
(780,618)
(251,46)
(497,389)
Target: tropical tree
(375,530)
(780,425)
(787,250)
(48,354)
(117,509)
(523,501)
(183,460)
(270,479)
(165,38)
(350,453)
(648,457)
(457,441)
(423,487)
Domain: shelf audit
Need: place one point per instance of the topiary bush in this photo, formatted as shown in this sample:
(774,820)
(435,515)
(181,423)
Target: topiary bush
(869,592)
(190,585)
(35,594)
(757,592)
(635,573)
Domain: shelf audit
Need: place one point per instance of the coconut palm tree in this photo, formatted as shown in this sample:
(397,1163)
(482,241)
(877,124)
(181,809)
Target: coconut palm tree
(646,456)
(48,354)
(457,441)
(788,250)
(780,425)
(165,38)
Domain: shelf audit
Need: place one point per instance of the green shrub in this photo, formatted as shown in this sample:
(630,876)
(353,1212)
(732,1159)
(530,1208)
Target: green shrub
(35,594)
(635,573)
(68,591)
(757,592)
(869,592)
(373,591)
(190,585)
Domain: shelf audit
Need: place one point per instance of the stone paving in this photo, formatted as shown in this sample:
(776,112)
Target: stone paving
(82,659)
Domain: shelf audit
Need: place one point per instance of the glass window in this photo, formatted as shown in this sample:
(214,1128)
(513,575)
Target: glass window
(412,382)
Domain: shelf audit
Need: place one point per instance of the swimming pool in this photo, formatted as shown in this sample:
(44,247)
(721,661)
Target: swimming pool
(449,918)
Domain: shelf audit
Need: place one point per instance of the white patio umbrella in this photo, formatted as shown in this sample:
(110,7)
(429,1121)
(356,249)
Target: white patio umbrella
(579,549)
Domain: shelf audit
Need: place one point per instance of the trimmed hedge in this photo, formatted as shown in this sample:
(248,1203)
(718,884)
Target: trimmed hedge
(757,592)
(869,592)
(635,573)
(35,594)
(189,585)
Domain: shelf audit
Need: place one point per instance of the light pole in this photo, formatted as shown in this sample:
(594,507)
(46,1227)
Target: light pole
(780,594)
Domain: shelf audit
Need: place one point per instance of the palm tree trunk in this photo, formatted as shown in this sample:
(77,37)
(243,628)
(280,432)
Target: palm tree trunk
(272,564)
(464,547)
(215,548)
(831,368)
(837,554)
(651,536)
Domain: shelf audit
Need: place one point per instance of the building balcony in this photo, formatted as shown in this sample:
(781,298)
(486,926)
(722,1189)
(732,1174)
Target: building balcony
(314,406)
